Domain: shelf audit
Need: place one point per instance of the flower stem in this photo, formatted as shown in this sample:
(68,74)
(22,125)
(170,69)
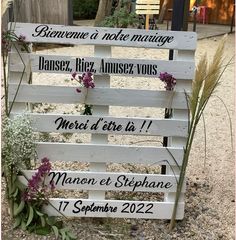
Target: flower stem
(193,126)
(5,83)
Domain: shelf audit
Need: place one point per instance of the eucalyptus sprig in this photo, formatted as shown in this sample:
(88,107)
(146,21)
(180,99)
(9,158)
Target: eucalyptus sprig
(207,78)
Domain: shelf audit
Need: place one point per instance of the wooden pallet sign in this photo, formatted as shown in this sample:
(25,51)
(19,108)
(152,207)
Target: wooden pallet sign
(147,7)
(102,123)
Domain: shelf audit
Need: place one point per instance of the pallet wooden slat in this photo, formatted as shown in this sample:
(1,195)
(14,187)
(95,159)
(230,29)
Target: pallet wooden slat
(147,7)
(47,33)
(107,181)
(98,96)
(114,66)
(111,153)
(148,11)
(66,123)
(113,208)
(148,2)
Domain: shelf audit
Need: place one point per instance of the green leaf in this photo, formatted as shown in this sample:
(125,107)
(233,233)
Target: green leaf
(15,207)
(39,213)
(31,228)
(17,222)
(63,233)
(31,216)
(71,235)
(20,185)
(55,230)
(23,225)
(43,222)
(59,224)
(51,220)
(43,230)
(18,209)
(14,177)
(13,189)
(16,192)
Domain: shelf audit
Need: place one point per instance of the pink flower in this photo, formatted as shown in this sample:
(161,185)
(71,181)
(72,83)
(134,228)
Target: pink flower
(169,80)
(73,75)
(37,189)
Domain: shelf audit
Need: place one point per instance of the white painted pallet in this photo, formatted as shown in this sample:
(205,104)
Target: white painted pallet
(48,33)
(112,208)
(99,152)
(67,123)
(102,65)
(113,153)
(99,96)
(109,181)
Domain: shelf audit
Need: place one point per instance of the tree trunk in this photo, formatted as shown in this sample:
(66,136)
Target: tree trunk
(163,11)
(104,9)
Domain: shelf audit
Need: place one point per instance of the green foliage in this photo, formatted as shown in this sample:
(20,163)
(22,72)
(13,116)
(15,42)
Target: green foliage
(85,9)
(29,217)
(88,110)
(121,18)
(18,143)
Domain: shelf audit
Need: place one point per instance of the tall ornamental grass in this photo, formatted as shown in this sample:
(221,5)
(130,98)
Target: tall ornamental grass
(207,78)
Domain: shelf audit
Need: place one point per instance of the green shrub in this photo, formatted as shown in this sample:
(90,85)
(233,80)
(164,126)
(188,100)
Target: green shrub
(85,9)
(121,18)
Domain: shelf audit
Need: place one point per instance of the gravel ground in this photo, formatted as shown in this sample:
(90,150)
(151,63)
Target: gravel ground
(209,212)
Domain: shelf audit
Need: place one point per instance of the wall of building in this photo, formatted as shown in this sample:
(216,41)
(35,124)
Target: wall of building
(41,11)
(220,11)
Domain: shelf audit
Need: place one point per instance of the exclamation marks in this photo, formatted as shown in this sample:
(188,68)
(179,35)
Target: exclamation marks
(148,126)
(144,122)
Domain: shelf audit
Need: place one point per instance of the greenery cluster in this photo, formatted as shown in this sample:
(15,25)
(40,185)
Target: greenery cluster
(85,9)
(30,217)
(121,18)
(18,143)
(18,154)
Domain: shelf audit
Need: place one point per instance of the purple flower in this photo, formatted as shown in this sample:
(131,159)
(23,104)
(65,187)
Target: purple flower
(73,75)
(169,80)
(87,80)
(21,38)
(78,90)
(52,184)
(37,189)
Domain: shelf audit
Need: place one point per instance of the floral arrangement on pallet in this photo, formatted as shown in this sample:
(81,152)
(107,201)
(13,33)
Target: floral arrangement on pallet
(26,202)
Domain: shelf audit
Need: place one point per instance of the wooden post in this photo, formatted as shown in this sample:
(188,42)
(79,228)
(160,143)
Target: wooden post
(232,20)
(147,22)
(176,25)
(186,15)
(163,11)
(100,81)
(16,77)
(70,12)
